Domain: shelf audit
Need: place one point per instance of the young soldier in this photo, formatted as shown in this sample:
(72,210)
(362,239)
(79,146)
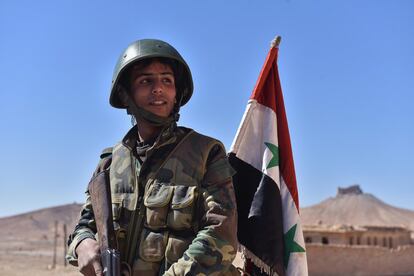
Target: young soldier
(174,208)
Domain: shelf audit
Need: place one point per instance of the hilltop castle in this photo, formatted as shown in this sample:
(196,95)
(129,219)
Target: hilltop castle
(355,232)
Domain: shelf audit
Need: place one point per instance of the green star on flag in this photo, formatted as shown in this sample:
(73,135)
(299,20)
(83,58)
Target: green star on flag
(275,152)
(291,246)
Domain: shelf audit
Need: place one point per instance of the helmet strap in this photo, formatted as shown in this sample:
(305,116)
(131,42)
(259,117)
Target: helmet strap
(176,109)
(140,113)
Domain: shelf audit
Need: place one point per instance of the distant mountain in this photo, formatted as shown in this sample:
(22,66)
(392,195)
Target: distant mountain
(40,223)
(350,206)
(353,207)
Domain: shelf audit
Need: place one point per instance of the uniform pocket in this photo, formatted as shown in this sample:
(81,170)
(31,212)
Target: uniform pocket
(152,245)
(182,208)
(175,248)
(157,202)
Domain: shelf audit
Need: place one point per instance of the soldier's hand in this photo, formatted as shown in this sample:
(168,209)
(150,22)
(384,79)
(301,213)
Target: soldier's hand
(89,258)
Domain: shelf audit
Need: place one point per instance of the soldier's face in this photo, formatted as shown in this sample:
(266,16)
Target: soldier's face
(153,88)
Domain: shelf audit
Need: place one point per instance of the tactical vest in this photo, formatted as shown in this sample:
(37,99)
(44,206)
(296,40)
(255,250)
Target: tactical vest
(160,223)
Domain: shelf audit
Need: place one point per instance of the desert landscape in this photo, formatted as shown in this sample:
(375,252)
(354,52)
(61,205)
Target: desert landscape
(27,241)
(356,233)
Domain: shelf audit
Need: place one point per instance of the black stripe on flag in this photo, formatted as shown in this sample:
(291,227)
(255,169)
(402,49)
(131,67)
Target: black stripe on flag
(260,223)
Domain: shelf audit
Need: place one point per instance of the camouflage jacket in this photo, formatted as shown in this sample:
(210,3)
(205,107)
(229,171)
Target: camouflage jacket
(174,213)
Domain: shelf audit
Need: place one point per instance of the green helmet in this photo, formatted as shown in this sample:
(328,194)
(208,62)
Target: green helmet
(150,48)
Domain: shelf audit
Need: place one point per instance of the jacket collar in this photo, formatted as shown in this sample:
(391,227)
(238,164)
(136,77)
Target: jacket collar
(166,136)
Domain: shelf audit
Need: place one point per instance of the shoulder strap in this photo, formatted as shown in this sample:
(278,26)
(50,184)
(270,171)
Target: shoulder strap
(152,175)
(106,153)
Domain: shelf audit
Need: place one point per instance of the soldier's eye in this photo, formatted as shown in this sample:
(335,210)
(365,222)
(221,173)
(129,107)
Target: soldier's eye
(168,80)
(144,81)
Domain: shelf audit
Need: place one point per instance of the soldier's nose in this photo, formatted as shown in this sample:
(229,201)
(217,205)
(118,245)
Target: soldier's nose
(157,88)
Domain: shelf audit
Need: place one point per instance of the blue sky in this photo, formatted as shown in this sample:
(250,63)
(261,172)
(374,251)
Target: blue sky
(346,67)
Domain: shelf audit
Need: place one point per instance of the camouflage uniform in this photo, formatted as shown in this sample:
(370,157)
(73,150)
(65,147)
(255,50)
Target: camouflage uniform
(175,212)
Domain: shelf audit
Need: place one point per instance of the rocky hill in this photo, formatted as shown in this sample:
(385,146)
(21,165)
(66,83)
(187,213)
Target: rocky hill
(351,206)
(39,224)
(28,245)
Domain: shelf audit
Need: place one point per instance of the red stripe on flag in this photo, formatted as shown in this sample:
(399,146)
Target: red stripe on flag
(265,83)
(268,92)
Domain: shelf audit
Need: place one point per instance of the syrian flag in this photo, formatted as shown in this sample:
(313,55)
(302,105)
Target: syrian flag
(269,228)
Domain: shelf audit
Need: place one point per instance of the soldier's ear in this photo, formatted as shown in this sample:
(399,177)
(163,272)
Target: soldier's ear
(123,95)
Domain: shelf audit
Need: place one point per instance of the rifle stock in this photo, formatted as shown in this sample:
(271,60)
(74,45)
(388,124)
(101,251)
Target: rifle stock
(100,193)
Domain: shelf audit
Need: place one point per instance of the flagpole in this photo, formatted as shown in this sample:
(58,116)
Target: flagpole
(275,42)
(270,59)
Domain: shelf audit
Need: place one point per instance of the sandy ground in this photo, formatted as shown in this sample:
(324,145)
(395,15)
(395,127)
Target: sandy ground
(34,258)
(19,264)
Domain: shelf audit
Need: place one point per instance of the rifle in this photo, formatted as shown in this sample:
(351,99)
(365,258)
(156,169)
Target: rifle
(100,193)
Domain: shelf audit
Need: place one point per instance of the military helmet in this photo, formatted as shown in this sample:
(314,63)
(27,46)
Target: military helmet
(144,49)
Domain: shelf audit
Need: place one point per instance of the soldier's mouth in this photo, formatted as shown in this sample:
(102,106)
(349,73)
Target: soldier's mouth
(158,103)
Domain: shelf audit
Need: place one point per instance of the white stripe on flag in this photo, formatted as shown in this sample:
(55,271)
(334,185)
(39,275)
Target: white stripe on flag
(297,261)
(258,126)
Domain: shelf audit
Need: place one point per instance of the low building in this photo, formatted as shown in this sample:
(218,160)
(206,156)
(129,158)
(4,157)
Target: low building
(384,236)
